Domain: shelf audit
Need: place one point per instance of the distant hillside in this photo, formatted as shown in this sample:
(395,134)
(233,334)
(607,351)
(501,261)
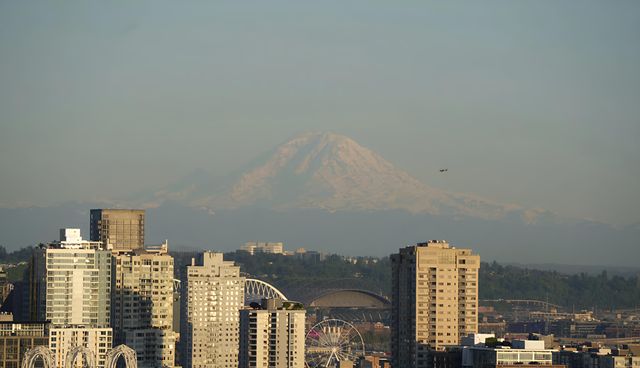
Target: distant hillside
(496,281)
(296,277)
(577,290)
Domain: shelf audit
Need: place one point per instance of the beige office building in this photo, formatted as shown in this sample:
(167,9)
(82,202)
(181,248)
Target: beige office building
(272,335)
(119,230)
(142,304)
(212,296)
(434,300)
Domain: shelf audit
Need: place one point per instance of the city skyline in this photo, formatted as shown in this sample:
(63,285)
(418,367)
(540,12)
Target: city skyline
(102,302)
(360,184)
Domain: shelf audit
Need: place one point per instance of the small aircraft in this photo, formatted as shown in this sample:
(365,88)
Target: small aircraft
(443,170)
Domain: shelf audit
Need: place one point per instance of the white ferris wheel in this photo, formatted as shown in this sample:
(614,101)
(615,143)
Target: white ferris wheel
(332,341)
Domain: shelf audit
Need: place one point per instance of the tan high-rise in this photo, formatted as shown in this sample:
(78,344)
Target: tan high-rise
(142,304)
(212,296)
(434,300)
(272,335)
(119,230)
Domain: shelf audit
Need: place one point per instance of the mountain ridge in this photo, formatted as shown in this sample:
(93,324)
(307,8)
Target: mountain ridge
(330,171)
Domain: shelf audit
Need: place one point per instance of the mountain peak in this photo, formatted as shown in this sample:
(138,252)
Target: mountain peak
(333,172)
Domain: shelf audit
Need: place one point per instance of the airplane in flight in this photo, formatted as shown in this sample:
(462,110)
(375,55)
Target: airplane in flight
(443,170)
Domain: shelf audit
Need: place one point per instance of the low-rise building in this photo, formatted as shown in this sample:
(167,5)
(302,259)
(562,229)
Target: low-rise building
(521,352)
(63,339)
(18,337)
(585,357)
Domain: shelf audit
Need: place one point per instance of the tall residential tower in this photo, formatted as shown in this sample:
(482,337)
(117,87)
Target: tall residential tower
(212,296)
(142,305)
(434,300)
(76,286)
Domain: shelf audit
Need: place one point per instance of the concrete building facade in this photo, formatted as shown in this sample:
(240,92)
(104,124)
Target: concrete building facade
(63,339)
(434,300)
(118,229)
(142,305)
(272,335)
(212,296)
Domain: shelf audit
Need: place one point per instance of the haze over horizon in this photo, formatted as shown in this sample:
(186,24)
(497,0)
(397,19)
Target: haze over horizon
(523,105)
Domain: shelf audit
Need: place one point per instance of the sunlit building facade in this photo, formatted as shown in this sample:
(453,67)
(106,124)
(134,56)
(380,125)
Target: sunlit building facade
(212,296)
(434,300)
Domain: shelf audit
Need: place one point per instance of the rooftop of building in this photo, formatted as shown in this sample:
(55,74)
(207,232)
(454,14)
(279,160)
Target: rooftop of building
(274,304)
(70,238)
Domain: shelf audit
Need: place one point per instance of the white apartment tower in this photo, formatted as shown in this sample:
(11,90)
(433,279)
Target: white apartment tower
(272,335)
(434,300)
(77,295)
(212,296)
(142,305)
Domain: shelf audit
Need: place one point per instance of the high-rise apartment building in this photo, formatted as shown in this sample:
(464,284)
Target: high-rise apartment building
(118,229)
(142,305)
(272,335)
(212,296)
(76,285)
(434,300)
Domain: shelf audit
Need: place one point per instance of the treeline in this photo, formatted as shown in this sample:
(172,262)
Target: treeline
(578,291)
(290,272)
(496,281)
(17,256)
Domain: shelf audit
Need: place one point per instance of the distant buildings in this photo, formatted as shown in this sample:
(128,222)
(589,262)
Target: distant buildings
(309,255)
(212,295)
(263,247)
(118,229)
(594,357)
(272,335)
(434,300)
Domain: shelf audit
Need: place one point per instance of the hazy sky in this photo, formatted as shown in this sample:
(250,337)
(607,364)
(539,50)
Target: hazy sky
(528,102)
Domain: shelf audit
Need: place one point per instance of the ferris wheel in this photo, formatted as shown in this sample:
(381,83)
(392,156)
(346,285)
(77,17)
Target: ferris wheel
(332,341)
